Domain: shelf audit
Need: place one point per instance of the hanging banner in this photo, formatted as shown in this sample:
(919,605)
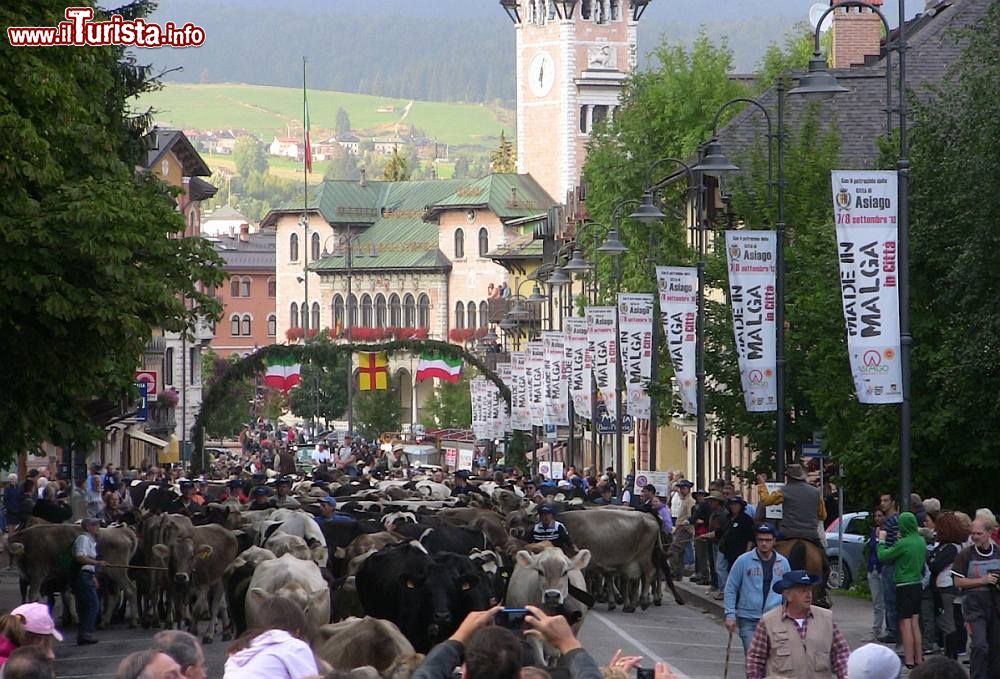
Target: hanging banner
(865,210)
(519,413)
(534,364)
(506,372)
(478,409)
(578,359)
(556,410)
(635,340)
(494,421)
(602,339)
(751,257)
(678,287)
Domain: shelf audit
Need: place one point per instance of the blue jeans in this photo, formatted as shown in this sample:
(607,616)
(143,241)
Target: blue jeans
(889,596)
(88,606)
(721,570)
(746,628)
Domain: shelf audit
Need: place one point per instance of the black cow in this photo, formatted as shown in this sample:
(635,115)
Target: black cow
(425,598)
(444,538)
(339,535)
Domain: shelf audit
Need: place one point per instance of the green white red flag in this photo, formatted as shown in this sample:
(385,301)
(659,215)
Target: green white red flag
(282,372)
(442,367)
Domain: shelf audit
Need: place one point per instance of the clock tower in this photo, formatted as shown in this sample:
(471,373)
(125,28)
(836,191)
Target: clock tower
(573,57)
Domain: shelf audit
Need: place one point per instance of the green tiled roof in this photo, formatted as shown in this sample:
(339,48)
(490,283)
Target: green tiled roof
(506,195)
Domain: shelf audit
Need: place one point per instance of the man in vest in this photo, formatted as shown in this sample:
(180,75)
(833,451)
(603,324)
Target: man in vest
(548,529)
(797,639)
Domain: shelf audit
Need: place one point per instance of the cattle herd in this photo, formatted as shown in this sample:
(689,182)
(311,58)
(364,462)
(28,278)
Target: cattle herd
(403,552)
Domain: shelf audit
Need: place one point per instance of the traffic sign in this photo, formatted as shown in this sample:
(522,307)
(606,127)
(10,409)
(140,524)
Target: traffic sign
(142,413)
(812,450)
(606,424)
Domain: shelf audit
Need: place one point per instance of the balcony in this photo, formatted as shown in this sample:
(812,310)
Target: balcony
(497,310)
(156,346)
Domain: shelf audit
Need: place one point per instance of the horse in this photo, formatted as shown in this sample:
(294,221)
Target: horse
(804,554)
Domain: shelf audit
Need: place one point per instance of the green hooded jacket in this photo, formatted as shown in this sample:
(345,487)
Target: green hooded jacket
(909,553)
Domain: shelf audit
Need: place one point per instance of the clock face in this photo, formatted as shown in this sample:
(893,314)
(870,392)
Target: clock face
(542,74)
(471,216)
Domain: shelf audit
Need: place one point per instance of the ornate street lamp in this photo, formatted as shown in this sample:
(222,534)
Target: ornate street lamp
(564,8)
(511,7)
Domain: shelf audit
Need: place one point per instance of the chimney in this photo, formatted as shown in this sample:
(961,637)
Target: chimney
(245,232)
(857,33)
(363,181)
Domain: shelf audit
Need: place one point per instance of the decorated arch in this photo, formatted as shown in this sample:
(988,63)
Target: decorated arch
(323,353)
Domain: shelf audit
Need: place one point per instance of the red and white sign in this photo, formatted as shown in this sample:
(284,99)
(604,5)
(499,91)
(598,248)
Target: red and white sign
(451,457)
(151,378)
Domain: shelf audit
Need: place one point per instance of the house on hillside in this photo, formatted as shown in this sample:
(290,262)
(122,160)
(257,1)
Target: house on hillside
(349,143)
(387,145)
(285,147)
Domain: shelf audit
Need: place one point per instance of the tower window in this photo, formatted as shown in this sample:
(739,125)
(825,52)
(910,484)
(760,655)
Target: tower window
(585,8)
(583,119)
(615,9)
(600,113)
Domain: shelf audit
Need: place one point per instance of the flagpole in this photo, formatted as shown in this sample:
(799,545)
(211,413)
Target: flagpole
(306,314)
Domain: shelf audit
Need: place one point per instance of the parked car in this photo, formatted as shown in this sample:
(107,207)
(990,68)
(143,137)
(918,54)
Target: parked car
(304,458)
(849,562)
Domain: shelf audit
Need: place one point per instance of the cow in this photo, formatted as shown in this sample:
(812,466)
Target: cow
(282,543)
(197,563)
(237,581)
(404,584)
(485,520)
(360,642)
(543,578)
(444,537)
(156,585)
(296,522)
(290,578)
(117,545)
(365,545)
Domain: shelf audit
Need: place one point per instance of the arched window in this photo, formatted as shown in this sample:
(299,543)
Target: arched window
(484,314)
(168,367)
(315,316)
(352,311)
(305,315)
(246,325)
(459,244)
(234,287)
(314,250)
(245,286)
(380,311)
(272,325)
(484,241)
(338,311)
(272,287)
(472,316)
(366,311)
(424,311)
(459,315)
(293,247)
(293,316)
(234,325)
(395,311)
(409,312)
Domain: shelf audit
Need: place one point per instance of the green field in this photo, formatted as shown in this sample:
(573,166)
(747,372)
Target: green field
(269,111)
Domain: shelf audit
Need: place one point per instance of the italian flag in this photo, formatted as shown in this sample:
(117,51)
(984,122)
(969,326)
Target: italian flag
(442,367)
(282,372)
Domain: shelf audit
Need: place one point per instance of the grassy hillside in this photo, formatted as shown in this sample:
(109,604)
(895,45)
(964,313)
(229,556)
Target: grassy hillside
(268,111)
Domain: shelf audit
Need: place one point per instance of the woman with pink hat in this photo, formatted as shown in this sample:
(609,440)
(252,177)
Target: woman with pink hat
(27,625)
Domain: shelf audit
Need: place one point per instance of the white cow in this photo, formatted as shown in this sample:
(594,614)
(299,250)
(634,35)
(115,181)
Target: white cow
(289,578)
(295,522)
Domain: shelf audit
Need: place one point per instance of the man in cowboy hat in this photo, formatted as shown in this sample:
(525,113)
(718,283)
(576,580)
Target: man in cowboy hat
(797,639)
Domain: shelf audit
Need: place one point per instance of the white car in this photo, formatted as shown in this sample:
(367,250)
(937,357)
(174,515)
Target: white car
(848,562)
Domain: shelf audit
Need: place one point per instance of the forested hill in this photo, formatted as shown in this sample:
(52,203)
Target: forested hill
(436,50)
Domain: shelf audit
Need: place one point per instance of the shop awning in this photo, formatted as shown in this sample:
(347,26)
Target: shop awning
(147,438)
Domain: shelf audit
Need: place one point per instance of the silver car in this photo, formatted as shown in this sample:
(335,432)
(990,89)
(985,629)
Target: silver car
(847,562)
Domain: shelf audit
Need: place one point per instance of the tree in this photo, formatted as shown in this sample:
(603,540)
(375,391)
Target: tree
(397,169)
(449,406)
(250,157)
(504,158)
(461,168)
(89,253)
(238,410)
(343,165)
(376,412)
(322,390)
(343,125)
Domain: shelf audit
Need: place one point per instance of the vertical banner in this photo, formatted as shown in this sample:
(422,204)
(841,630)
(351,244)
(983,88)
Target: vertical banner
(578,359)
(478,419)
(635,339)
(519,413)
(751,260)
(556,411)
(535,367)
(505,370)
(602,340)
(494,422)
(865,209)
(678,286)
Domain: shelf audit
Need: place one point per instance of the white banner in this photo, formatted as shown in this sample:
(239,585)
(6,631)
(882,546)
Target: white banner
(519,412)
(578,358)
(556,410)
(635,335)
(505,370)
(603,340)
(478,392)
(751,257)
(865,209)
(678,287)
(534,364)
(494,420)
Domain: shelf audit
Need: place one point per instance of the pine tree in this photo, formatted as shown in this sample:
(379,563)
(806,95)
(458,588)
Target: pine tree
(397,169)
(504,159)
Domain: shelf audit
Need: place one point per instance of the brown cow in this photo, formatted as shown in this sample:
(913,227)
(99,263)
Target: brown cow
(357,642)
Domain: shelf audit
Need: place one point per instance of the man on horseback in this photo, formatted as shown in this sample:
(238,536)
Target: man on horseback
(803,512)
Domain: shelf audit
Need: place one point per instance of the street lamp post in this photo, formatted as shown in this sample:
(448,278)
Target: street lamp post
(347,241)
(716,163)
(820,83)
